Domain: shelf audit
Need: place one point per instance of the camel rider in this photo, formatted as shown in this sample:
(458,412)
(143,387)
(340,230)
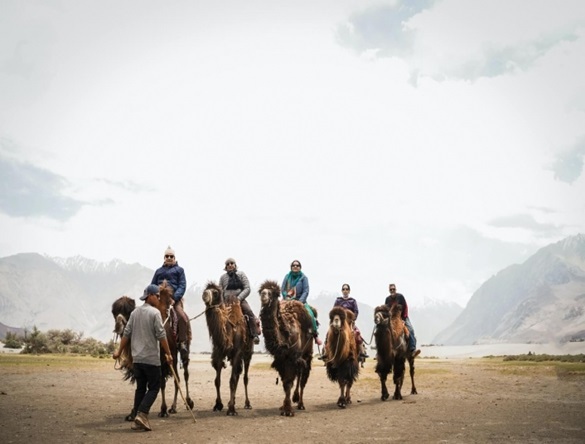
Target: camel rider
(398,298)
(175,276)
(295,286)
(235,284)
(349,303)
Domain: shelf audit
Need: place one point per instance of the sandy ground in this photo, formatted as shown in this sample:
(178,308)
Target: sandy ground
(83,400)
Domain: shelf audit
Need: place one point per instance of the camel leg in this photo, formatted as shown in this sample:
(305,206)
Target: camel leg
(286,409)
(348,392)
(383,376)
(173,408)
(398,379)
(163,406)
(341,401)
(218,407)
(234,379)
(411,366)
(247,360)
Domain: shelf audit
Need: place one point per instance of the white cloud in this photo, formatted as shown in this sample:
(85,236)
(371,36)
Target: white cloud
(247,130)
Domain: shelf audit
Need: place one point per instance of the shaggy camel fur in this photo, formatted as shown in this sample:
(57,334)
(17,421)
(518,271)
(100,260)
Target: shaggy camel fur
(231,339)
(286,326)
(392,349)
(341,353)
(121,310)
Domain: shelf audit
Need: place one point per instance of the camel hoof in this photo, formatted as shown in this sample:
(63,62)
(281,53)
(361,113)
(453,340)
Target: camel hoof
(172,410)
(413,392)
(397,397)
(384,397)
(231,413)
(163,414)
(301,407)
(218,407)
(190,403)
(130,417)
(248,406)
(287,414)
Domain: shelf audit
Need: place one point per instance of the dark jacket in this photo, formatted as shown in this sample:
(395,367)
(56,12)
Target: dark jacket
(175,276)
(390,301)
(349,304)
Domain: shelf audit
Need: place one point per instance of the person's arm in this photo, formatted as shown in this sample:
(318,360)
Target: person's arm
(246,283)
(123,344)
(357,310)
(305,290)
(181,285)
(165,345)
(155,278)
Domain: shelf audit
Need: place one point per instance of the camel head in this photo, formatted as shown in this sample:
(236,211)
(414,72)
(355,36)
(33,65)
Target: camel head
(121,309)
(338,316)
(212,295)
(269,292)
(166,294)
(381,314)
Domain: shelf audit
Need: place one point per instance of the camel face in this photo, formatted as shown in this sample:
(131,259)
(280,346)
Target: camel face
(210,297)
(266,297)
(379,318)
(336,322)
(120,324)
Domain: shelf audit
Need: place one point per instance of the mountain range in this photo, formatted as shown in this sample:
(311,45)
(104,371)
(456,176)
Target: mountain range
(540,300)
(77,293)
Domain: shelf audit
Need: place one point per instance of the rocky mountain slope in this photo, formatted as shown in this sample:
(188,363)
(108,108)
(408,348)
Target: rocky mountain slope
(541,301)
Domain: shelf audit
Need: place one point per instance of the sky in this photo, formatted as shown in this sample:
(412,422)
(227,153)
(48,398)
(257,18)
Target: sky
(428,144)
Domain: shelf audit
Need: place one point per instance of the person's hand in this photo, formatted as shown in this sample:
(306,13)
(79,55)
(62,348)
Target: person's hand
(116,354)
(169,358)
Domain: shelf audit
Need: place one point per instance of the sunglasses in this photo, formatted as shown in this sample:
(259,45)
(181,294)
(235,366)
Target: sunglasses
(230,263)
(393,289)
(169,256)
(295,265)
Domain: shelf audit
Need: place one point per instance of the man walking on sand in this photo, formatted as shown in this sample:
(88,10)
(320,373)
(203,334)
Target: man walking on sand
(145,330)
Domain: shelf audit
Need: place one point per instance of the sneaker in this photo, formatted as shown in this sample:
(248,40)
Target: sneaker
(322,358)
(256,340)
(141,420)
(415,353)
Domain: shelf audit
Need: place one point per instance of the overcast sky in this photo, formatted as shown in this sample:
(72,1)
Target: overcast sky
(426,143)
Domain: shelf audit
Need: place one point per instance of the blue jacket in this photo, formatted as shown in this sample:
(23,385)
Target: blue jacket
(175,276)
(302,289)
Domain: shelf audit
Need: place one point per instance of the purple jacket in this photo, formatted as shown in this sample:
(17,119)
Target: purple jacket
(349,304)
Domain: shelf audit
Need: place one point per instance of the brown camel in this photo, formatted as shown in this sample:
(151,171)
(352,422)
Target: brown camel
(391,337)
(121,310)
(341,353)
(286,327)
(231,339)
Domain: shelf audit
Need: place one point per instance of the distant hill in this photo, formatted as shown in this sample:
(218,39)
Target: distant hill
(539,301)
(6,329)
(77,293)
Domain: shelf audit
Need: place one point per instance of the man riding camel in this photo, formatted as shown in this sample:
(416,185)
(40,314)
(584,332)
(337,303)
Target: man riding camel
(175,276)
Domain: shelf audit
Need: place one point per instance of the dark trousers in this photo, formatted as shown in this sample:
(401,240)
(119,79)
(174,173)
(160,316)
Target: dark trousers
(147,386)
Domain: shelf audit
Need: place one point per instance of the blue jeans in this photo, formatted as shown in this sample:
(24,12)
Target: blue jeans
(411,338)
(148,379)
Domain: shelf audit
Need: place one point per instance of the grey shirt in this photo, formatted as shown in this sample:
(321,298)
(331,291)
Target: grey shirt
(145,328)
